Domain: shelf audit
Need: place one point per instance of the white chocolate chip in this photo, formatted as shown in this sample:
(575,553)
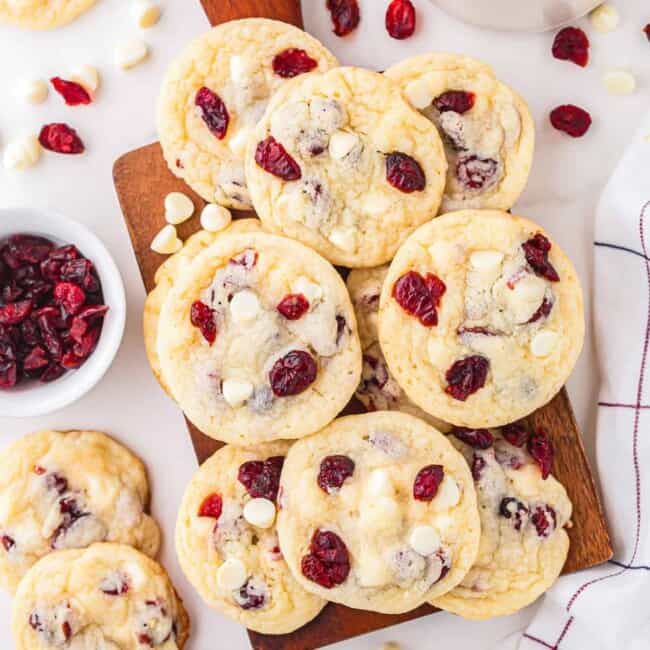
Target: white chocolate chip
(238,141)
(166,241)
(605,18)
(32,91)
(232,574)
(341,144)
(525,297)
(145,13)
(22,153)
(344,238)
(419,94)
(86,76)
(236,391)
(240,69)
(448,495)
(424,540)
(391,645)
(128,54)
(485,260)
(543,343)
(376,203)
(260,513)
(379,483)
(244,306)
(372,570)
(215,217)
(310,290)
(619,82)
(178,207)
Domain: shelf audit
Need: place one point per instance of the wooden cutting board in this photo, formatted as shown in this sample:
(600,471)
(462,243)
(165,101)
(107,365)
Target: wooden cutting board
(142,181)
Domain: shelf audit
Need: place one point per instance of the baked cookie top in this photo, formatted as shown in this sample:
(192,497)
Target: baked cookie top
(228,546)
(524,511)
(378,512)
(481,318)
(342,163)
(68,490)
(215,92)
(41,14)
(258,341)
(487,129)
(106,597)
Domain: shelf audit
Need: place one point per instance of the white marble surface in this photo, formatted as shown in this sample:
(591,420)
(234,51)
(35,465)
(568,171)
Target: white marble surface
(564,188)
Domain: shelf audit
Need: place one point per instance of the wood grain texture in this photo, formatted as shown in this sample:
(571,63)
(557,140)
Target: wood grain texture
(220,11)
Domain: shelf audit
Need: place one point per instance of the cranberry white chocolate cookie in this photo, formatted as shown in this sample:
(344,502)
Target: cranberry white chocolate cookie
(378,512)
(487,129)
(105,597)
(41,14)
(257,340)
(524,511)
(68,490)
(217,90)
(481,318)
(343,164)
(228,546)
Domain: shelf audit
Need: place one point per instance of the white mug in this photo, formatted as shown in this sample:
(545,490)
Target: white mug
(522,15)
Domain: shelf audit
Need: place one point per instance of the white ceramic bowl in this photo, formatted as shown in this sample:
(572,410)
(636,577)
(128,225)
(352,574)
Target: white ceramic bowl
(33,398)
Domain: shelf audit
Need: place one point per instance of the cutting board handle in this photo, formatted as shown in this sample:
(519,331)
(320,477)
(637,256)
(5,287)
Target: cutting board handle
(221,11)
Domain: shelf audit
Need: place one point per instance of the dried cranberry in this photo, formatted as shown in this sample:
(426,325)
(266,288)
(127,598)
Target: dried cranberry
(571,44)
(515,434)
(60,138)
(466,376)
(459,101)
(536,251)
(512,508)
(70,296)
(8,374)
(541,449)
(293,373)
(27,249)
(400,19)
(404,173)
(37,358)
(333,472)
(476,438)
(7,542)
(72,92)
(341,326)
(16,312)
(328,561)
(213,112)
(56,482)
(247,258)
(478,465)
(250,596)
(345,15)
(571,119)
(81,322)
(66,629)
(87,344)
(542,311)
(544,519)
(38,469)
(293,306)
(427,482)
(292,62)
(272,157)
(211,506)
(420,296)
(262,478)
(202,317)
(35,622)
(52,372)
(475,172)
(646,31)
(79,272)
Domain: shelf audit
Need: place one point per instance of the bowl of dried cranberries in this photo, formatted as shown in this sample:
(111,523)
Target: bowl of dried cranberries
(62,311)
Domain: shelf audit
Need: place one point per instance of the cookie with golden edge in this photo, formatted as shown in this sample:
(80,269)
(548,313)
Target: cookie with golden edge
(42,14)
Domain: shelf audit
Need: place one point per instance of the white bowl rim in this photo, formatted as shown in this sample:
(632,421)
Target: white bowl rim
(36,399)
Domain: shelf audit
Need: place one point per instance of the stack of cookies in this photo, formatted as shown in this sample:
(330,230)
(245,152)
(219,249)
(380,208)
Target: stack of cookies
(452,328)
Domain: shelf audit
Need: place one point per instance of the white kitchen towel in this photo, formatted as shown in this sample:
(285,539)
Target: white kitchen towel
(609,606)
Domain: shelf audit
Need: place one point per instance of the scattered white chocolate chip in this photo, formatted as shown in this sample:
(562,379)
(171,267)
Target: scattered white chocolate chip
(424,540)
(619,82)
(22,153)
(419,94)
(341,144)
(178,208)
(166,241)
(236,391)
(260,513)
(32,91)
(448,495)
(238,141)
(215,217)
(244,306)
(543,343)
(391,645)
(605,18)
(145,13)
(232,574)
(128,54)
(310,290)
(485,260)
(86,76)
(344,238)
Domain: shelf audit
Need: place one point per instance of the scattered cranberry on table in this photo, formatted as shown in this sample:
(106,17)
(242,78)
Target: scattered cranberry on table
(571,44)
(73,93)
(646,29)
(61,138)
(570,119)
(345,15)
(400,19)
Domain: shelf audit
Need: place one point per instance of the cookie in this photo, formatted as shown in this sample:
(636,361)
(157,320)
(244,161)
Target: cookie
(378,390)
(107,597)
(487,129)
(378,512)
(343,164)
(41,14)
(524,543)
(215,92)
(228,546)
(481,318)
(68,490)
(257,340)
(164,279)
